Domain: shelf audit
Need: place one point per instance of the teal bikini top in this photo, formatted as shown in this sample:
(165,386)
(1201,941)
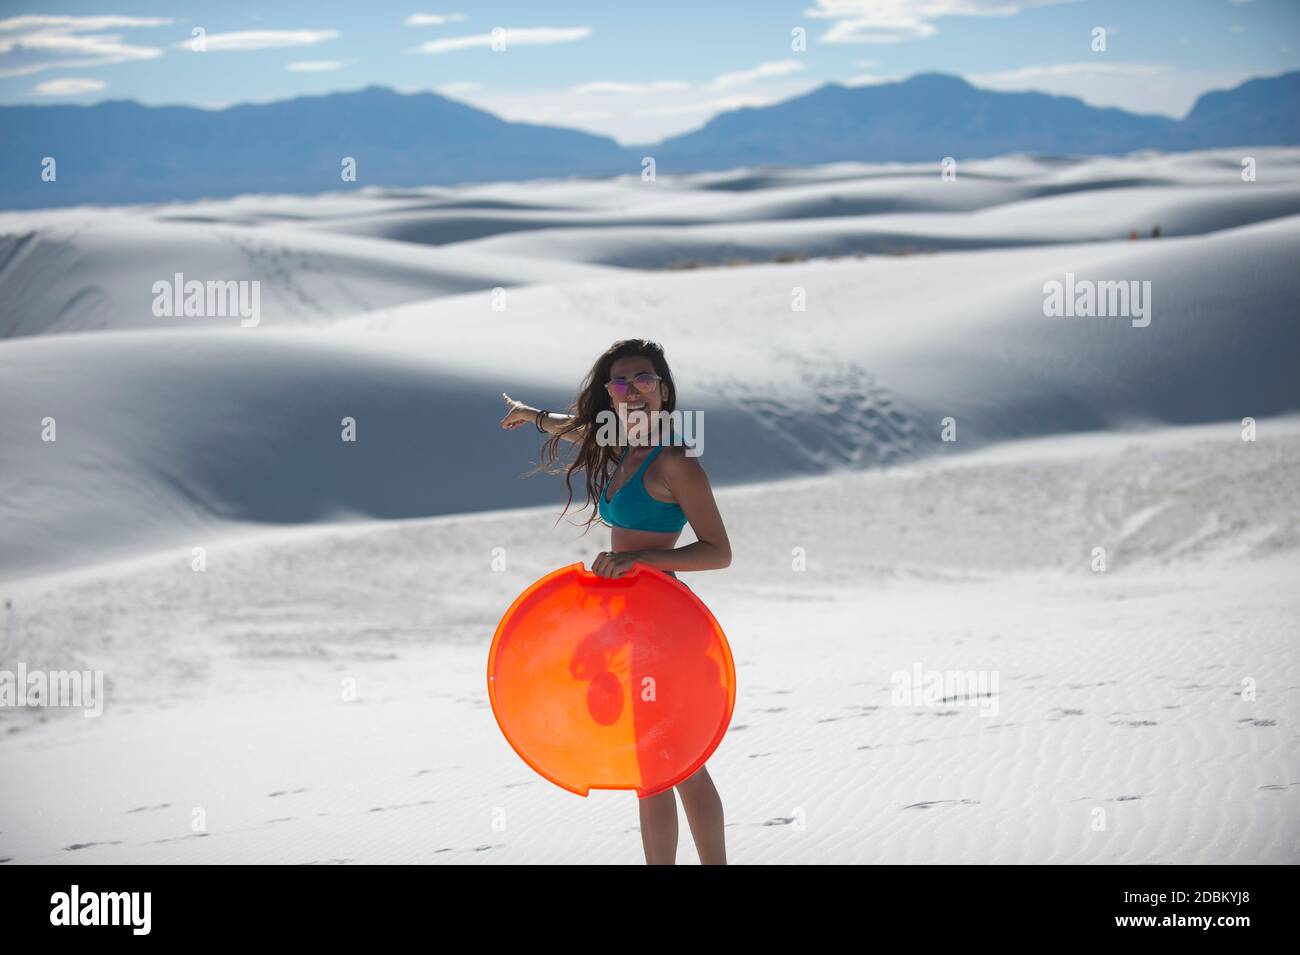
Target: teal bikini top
(634,509)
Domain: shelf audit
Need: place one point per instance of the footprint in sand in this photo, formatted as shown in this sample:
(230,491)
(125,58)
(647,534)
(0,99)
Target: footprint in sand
(405,805)
(192,835)
(162,805)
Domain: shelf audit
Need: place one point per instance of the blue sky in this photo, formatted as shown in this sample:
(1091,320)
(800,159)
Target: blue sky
(637,72)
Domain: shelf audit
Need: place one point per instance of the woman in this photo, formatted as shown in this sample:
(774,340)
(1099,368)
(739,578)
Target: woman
(652,494)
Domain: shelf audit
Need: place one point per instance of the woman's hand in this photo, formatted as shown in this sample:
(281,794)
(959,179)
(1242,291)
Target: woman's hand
(614,564)
(517,413)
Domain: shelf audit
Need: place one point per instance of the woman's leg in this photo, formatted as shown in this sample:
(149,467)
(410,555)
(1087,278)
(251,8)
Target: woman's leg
(703,808)
(659,828)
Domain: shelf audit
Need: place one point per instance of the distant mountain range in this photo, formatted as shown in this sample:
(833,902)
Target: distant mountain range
(933,115)
(122,152)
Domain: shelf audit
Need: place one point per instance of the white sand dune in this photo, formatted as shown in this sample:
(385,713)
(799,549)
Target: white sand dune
(1120,690)
(880,209)
(1118,695)
(185,428)
(1042,172)
(78,269)
(91,271)
(1054,220)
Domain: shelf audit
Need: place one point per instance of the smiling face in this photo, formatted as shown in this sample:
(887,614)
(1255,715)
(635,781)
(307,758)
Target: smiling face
(634,401)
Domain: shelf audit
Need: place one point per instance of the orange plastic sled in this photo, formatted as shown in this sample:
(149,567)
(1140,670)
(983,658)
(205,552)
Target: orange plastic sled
(611,682)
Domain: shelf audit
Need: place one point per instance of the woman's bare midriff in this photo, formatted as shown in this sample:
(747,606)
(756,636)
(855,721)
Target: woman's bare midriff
(623,538)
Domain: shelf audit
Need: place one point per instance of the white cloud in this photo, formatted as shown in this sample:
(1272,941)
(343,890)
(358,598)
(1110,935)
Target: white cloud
(456,88)
(33,42)
(261,39)
(708,106)
(314,66)
(720,82)
(512,37)
(77,24)
(589,115)
(1136,87)
(762,71)
(434,19)
(632,120)
(869,79)
(657,86)
(894,21)
(68,87)
(661,107)
(1028,75)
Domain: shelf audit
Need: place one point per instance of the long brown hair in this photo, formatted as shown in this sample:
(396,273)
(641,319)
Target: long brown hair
(592,458)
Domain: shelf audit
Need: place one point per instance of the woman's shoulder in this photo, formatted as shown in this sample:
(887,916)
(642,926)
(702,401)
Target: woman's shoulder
(675,459)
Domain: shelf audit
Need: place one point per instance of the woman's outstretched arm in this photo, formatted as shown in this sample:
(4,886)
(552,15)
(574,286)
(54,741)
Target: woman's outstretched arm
(552,422)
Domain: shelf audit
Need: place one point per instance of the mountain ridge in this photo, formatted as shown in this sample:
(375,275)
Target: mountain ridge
(297,145)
